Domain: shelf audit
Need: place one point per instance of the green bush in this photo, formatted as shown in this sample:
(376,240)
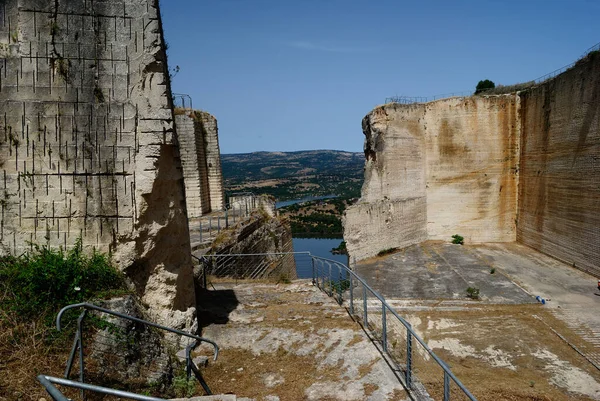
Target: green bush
(473,292)
(457,239)
(484,85)
(46,280)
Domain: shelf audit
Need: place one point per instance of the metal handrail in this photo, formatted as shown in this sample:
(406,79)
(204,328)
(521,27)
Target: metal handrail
(135,319)
(78,344)
(57,395)
(447,372)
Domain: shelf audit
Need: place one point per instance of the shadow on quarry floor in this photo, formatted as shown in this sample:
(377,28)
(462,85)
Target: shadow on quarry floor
(214,306)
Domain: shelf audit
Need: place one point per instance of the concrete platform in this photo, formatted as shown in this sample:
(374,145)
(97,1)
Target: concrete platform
(507,345)
(441,271)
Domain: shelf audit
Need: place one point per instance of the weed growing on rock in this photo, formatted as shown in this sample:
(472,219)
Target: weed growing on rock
(457,239)
(386,251)
(473,292)
(183,387)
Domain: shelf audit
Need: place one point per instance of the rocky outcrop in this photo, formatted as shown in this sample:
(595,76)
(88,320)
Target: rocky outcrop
(517,167)
(87,143)
(128,352)
(265,243)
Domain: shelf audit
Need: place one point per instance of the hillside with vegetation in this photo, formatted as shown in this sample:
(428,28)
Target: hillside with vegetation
(294,175)
(298,175)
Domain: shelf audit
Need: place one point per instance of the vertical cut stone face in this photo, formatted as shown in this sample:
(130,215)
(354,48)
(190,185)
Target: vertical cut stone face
(472,148)
(437,169)
(210,133)
(87,142)
(392,212)
(559,188)
(201,160)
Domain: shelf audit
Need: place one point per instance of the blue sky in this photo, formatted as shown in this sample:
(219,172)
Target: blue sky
(284,75)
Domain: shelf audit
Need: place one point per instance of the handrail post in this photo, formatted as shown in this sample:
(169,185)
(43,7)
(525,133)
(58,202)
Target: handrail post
(383,328)
(314,272)
(330,281)
(204,278)
(76,343)
(81,366)
(365,316)
(446,386)
(408,357)
(339,284)
(351,296)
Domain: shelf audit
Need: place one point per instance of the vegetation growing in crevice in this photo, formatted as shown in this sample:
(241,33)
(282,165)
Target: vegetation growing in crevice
(457,239)
(473,293)
(387,251)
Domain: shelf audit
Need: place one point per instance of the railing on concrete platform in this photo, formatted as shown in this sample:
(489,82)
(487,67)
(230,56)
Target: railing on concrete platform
(240,206)
(422,372)
(78,351)
(280,267)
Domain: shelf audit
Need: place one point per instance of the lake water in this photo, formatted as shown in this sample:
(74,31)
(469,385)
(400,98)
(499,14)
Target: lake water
(317,247)
(307,199)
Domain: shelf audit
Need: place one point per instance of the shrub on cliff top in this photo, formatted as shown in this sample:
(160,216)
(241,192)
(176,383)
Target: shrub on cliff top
(44,280)
(484,85)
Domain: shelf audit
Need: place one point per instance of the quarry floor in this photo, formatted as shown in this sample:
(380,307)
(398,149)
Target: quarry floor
(506,345)
(290,342)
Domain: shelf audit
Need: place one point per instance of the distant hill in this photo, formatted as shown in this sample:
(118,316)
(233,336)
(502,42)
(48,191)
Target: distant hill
(292,175)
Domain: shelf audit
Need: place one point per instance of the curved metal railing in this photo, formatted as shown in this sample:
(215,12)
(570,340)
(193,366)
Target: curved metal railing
(47,381)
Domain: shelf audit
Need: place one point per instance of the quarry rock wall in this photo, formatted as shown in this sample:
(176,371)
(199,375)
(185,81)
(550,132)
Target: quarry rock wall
(392,212)
(518,167)
(201,161)
(472,148)
(559,188)
(437,169)
(209,129)
(87,142)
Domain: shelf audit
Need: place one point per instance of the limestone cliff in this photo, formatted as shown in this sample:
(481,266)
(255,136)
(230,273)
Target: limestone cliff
(559,187)
(436,169)
(517,167)
(87,143)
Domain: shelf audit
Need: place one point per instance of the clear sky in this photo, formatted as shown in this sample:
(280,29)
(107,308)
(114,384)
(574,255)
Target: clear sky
(285,75)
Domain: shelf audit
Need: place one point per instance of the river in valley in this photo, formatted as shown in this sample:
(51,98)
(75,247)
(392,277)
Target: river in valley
(307,199)
(317,247)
